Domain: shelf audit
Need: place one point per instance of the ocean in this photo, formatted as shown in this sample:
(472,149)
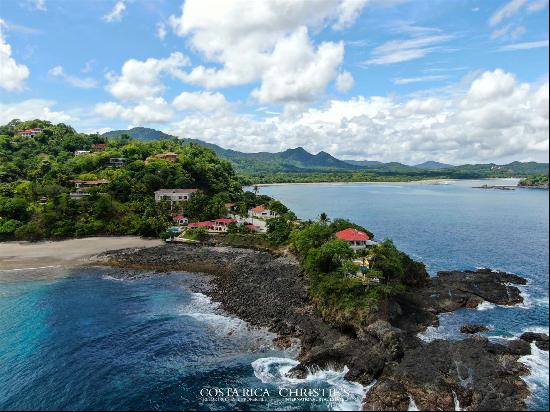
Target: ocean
(82,339)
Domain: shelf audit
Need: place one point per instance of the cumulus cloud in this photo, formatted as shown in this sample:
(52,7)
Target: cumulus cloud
(142,78)
(148,110)
(495,118)
(80,82)
(33,109)
(248,39)
(201,101)
(397,51)
(116,13)
(344,82)
(12,74)
(161,30)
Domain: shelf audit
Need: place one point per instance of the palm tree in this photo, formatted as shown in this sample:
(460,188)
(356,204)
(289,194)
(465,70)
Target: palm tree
(255,190)
(323,218)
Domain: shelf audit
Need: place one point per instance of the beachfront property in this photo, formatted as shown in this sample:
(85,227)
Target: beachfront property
(181,220)
(261,212)
(213,226)
(355,238)
(174,195)
(30,132)
(84,184)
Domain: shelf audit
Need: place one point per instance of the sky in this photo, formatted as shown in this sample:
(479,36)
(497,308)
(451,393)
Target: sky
(456,81)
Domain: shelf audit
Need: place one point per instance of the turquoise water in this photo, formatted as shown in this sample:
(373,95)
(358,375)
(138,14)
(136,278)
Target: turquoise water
(454,226)
(81,339)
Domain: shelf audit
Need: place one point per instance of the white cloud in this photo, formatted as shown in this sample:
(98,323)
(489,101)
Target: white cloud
(525,45)
(40,5)
(419,79)
(245,40)
(12,74)
(537,5)
(201,101)
(33,109)
(139,79)
(344,82)
(80,82)
(495,118)
(161,30)
(116,13)
(506,11)
(148,110)
(396,51)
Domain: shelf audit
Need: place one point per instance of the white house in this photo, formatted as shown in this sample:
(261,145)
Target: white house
(181,220)
(261,212)
(174,195)
(355,238)
(81,152)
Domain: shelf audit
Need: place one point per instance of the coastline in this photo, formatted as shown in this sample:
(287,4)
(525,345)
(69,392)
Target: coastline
(419,181)
(15,256)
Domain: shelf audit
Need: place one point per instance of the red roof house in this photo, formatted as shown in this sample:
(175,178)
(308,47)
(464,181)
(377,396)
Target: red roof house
(355,238)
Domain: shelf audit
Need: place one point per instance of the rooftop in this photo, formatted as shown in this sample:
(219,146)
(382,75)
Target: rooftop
(176,190)
(351,234)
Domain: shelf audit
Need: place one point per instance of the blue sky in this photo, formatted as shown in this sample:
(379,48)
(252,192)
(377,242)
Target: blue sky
(455,81)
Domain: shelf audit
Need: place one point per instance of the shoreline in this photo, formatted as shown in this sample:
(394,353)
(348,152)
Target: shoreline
(16,256)
(419,181)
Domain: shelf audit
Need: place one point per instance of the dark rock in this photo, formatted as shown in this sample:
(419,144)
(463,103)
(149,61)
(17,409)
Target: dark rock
(534,337)
(473,328)
(519,347)
(542,345)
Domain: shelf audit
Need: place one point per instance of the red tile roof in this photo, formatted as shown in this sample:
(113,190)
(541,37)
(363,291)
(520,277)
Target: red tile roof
(201,224)
(176,190)
(258,209)
(351,234)
(225,220)
(179,217)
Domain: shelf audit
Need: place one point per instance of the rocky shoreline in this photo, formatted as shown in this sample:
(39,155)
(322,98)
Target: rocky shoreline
(269,290)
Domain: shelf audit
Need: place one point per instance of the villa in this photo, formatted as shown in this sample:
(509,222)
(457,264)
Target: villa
(171,157)
(82,184)
(261,212)
(81,152)
(117,161)
(98,147)
(174,195)
(30,132)
(356,239)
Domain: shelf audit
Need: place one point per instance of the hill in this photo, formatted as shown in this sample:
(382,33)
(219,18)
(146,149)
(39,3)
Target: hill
(141,133)
(431,165)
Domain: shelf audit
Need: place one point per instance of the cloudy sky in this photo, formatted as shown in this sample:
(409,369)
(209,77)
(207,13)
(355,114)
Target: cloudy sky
(393,80)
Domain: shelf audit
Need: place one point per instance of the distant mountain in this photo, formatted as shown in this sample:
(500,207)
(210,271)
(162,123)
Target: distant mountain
(299,160)
(141,133)
(431,165)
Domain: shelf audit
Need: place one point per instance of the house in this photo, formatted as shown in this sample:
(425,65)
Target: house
(30,132)
(207,224)
(222,225)
(83,184)
(117,161)
(78,195)
(81,152)
(261,212)
(230,207)
(252,227)
(174,195)
(171,157)
(98,147)
(181,220)
(355,238)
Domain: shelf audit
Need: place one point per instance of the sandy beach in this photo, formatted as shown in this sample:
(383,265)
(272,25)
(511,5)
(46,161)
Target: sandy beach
(16,256)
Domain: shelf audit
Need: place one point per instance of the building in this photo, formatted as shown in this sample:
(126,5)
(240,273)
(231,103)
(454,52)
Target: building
(81,152)
(261,212)
(171,157)
(174,195)
(83,184)
(207,224)
(213,226)
(355,238)
(78,195)
(30,132)
(181,220)
(99,147)
(117,162)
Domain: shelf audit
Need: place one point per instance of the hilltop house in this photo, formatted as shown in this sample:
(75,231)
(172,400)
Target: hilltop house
(81,152)
(83,184)
(356,239)
(171,157)
(213,226)
(174,195)
(30,132)
(261,212)
(117,161)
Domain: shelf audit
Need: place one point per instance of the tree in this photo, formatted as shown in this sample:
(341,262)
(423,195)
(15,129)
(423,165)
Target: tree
(278,230)
(330,256)
(323,218)
(312,236)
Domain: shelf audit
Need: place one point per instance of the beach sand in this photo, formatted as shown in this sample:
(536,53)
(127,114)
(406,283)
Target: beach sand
(15,256)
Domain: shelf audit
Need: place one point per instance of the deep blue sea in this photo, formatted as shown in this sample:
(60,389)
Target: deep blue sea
(81,339)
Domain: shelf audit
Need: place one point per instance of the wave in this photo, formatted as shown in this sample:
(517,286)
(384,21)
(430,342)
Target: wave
(26,269)
(274,371)
(537,379)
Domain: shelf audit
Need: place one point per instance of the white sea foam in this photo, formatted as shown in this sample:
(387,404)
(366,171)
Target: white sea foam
(273,371)
(412,404)
(537,380)
(486,306)
(456,402)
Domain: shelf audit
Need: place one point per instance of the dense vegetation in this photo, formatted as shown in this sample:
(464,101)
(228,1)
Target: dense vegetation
(538,181)
(36,176)
(299,166)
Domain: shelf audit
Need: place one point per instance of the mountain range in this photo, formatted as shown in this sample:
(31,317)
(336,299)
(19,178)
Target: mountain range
(299,160)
